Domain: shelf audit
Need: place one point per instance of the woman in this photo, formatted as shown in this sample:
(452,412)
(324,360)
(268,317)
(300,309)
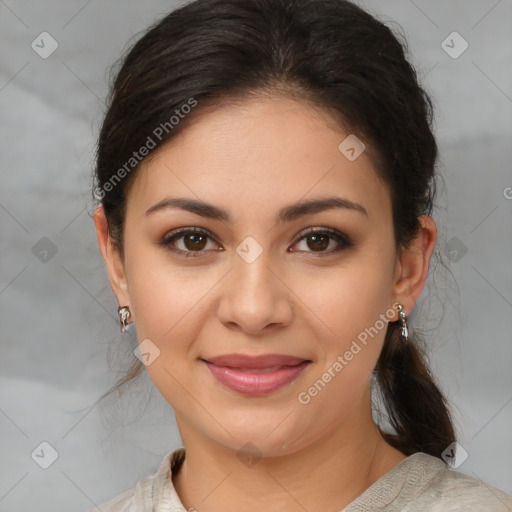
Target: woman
(266,172)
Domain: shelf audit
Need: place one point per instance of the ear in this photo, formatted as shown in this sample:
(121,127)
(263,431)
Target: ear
(413,263)
(112,258)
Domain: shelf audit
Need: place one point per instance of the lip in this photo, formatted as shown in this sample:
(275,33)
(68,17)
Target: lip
(247,362)
(256,375)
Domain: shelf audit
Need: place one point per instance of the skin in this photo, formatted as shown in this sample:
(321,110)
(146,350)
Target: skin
(252,159)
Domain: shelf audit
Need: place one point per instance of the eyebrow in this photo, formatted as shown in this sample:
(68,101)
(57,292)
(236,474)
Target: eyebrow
(286,214)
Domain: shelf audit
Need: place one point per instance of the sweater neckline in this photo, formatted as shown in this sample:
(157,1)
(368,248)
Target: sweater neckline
(415,467)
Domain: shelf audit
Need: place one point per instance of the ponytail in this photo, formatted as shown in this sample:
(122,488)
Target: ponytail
(416,407)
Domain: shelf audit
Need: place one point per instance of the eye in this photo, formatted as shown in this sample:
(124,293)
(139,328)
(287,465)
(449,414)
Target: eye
(195,240)
(319,239)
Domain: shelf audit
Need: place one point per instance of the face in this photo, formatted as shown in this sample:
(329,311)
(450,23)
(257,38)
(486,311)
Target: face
(253,283)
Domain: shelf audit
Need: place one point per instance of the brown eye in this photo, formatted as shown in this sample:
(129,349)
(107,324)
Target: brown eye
(318,240)
(194,241)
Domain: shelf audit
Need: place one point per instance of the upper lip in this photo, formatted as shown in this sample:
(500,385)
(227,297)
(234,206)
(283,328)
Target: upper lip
(258,362)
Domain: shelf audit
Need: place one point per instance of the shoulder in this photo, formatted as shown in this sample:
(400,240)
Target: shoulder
(444,489)
(150,492)
(423,482)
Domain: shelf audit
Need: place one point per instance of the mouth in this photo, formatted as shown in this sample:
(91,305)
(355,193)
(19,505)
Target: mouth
(256,375)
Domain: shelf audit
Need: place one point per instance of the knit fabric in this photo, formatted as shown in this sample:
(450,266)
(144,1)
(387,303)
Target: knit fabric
(418,483)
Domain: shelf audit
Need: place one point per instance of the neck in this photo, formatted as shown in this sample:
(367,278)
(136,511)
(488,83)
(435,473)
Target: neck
(327,474)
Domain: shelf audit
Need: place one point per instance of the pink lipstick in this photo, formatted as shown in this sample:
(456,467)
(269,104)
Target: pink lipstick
(256,375)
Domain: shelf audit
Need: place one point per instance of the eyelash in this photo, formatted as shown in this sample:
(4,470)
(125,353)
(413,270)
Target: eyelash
(342,239)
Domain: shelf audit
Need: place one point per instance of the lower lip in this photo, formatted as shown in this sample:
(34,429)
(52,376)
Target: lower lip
(254,383)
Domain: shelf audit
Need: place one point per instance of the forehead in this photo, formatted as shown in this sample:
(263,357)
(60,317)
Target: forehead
(256,156)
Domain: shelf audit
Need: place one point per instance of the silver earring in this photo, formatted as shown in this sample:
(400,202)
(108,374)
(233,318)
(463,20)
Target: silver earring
(124,314)
(404,329)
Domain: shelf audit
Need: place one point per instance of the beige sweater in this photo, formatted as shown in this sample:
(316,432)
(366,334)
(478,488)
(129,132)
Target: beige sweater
(418,483)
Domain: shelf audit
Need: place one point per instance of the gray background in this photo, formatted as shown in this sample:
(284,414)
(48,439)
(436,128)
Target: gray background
(58,317)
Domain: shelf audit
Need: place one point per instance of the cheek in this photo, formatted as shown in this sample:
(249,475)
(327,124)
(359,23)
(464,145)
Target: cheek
(171,308)
(168,312)
(340,381)
(162,295)
(351,313)
(345,301)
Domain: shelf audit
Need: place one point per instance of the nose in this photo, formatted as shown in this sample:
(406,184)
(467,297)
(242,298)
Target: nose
(255,297)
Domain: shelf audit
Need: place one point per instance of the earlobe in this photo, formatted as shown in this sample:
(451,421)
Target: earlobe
(112,258)
(413,264)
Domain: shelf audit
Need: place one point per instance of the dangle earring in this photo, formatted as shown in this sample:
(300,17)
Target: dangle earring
(404,329)
(124,314)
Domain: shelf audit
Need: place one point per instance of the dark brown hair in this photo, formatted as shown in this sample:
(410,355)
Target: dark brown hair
(329,53)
